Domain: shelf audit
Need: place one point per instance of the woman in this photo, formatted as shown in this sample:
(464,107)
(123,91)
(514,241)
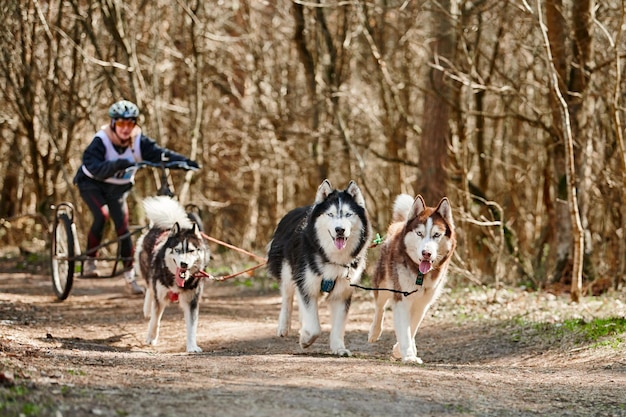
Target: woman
(106,176)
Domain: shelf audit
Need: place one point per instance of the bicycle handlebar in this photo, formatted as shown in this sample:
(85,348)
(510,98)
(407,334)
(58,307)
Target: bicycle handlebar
(165,165)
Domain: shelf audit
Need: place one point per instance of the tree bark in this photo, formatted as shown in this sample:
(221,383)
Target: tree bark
(570,171)
(616,109)
(433,179)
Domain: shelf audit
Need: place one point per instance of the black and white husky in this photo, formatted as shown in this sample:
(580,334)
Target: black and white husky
(321,249)
(169,257)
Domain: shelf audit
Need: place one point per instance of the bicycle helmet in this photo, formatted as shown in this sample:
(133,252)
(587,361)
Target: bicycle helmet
(124,109)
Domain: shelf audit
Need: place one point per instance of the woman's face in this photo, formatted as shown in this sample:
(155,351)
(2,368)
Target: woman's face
(123,129)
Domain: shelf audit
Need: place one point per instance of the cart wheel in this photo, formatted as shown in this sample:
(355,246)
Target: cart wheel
(62,256)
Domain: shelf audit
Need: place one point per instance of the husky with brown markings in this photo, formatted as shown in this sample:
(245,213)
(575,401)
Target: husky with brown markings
(414,263)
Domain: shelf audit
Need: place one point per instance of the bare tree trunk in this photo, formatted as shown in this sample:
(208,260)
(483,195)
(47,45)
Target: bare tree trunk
(433,179)
(561,246)
(395,117)
(581,109)
(307,60)
(10,183)
(197,106)
(616,109)
(572,199)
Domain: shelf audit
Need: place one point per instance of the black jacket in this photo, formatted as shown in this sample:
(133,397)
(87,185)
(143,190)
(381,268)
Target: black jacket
(95,161)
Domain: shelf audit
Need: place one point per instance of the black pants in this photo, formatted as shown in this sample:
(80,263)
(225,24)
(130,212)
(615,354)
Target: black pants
(107,201)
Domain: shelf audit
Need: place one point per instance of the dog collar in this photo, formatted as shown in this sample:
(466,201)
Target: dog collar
(409,264)
(354,264)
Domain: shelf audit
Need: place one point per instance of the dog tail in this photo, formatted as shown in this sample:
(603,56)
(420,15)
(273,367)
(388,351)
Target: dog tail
(164,212)
(401,208)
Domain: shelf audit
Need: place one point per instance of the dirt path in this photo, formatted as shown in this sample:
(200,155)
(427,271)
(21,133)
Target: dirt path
(483,357)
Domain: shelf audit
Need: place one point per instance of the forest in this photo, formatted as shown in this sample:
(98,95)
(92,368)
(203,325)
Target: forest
(511,108)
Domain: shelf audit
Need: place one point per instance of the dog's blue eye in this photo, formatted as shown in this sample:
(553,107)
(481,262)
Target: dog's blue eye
(420,234)
(436,235)
(348,214)
(331,215)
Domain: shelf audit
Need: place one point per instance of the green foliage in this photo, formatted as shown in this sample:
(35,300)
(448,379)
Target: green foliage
(76,372)
(244,283)
(597,332)
(13,402)
(596,329)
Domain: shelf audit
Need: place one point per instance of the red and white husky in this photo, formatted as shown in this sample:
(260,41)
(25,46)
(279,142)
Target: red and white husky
(414,257)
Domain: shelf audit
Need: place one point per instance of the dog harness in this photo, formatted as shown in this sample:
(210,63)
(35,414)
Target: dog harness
(419,281)
(328,284)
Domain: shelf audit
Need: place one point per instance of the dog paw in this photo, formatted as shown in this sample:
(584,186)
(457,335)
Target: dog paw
(376,330)
(413,359)
(193,349)
(396,352)
(307,338)
(282,332)
(151,342)
(342,352)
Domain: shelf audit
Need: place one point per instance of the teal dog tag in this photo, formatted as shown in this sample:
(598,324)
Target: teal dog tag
(328,285)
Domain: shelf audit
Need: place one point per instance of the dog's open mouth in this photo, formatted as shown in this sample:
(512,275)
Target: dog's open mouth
(340,242)
(182,274)
(425,266)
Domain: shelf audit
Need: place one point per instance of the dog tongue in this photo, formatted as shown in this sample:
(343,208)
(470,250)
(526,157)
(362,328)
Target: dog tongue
(180,279)
(425,266)
(340,243)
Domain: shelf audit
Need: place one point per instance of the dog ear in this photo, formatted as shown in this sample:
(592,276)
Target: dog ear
(323,191)
(355,192)
(445,210)
(175,229)
(417,208)
(195,229)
